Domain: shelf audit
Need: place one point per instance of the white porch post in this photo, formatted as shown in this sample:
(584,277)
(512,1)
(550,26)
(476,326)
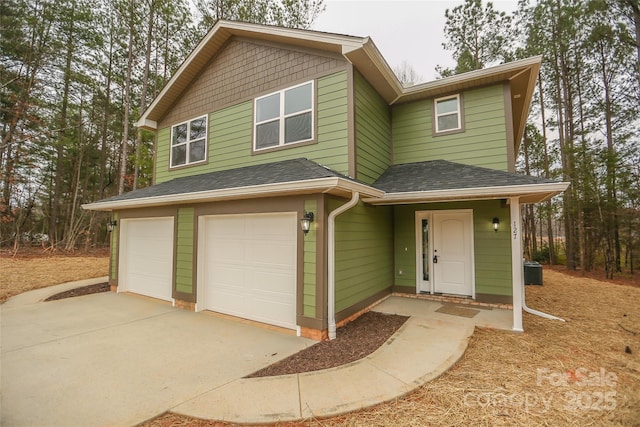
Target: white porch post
(516,262)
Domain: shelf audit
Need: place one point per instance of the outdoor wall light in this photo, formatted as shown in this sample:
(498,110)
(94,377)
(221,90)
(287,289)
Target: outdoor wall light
(111,225)
(496,223)
(305,222)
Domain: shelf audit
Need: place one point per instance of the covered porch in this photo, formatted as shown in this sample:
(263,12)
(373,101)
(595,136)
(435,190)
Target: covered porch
(457,230)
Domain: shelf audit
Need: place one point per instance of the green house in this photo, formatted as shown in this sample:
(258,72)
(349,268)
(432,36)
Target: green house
(297,182)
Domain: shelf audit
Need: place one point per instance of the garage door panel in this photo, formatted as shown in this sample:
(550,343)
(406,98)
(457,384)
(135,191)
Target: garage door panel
(250,266)
(227,275)
(225,226)
(234,304)
(231,251)
(272,280)
(270,229)
(150,268)
(272,253)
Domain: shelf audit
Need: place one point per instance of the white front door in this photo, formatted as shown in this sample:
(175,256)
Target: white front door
(445,252)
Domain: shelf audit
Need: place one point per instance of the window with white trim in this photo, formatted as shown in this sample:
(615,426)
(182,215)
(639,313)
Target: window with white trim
(284,117)
(448,116)
(189,142)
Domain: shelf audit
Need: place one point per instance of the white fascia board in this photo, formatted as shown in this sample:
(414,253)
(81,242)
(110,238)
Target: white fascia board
(381,63)
(348,43)
(146,124)
(471,75)
(313,185)
(477,193)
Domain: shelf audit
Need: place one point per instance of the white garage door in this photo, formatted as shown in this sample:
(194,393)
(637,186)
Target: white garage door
(248,266)
(146,257)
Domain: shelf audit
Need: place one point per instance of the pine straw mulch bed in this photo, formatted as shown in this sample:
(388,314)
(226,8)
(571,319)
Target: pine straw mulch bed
(355,340)
(35,269)
(585,372)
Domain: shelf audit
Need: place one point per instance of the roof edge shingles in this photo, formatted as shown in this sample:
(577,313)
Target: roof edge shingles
(269,173)
(437,175)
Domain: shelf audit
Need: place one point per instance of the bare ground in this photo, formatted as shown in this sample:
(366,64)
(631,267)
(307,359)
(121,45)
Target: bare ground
(27,272)
(580,373)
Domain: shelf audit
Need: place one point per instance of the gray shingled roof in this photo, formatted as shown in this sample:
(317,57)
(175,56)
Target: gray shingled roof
(444,175)
(412,177)
(270,173)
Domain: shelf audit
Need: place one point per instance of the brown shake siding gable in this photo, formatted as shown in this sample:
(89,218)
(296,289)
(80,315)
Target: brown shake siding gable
(243,70)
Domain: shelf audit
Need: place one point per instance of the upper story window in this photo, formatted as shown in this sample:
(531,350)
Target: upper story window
(284,117)
(189,142)
(448,114)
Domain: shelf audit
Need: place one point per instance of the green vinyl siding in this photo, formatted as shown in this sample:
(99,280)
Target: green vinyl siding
(230,136)
(372,132)
(492,249)
(483,142)
(310,256)
(364,253)
(184,251)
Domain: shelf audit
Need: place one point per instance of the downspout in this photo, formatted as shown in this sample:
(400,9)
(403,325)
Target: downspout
(519,304)
(531,310)
(331,261)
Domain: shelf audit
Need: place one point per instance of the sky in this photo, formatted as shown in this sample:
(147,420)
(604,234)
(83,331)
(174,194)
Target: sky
(411,31)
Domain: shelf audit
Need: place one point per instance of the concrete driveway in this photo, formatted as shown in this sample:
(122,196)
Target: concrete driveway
(117,359)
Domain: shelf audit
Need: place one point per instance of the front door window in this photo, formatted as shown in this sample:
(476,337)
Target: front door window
(425,249)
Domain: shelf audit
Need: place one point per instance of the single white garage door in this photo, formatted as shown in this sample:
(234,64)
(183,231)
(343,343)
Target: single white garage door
(146,257)
(248,266)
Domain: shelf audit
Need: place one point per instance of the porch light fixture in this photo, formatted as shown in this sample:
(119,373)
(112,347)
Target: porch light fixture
(111,225)
(305,222)
(496,223)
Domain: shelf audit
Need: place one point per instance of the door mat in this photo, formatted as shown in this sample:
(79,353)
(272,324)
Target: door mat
(457,311)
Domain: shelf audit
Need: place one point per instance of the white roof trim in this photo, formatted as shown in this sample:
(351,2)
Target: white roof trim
(146,123)
(544,191)
(323,185)
(472,75)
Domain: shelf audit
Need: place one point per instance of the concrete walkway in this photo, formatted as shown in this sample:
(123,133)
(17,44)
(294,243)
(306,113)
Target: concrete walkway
(426,346)
(114,359)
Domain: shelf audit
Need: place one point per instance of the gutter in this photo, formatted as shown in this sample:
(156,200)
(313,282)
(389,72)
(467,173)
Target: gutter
(472,193)
(331,261)
(325,185)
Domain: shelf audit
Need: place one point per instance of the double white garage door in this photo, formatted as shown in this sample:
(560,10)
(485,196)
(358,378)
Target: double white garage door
(246,263)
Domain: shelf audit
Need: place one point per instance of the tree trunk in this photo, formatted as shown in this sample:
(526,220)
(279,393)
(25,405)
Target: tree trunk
(105,120)
(54,219)
(143,96)
(127,104)
(548,210)
(613,232)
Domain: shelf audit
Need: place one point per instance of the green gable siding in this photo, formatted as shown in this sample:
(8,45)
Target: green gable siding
(231,133)
(364,253)
(310,256)
(372,132)
(483,142)
(184,251)
(492,249)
